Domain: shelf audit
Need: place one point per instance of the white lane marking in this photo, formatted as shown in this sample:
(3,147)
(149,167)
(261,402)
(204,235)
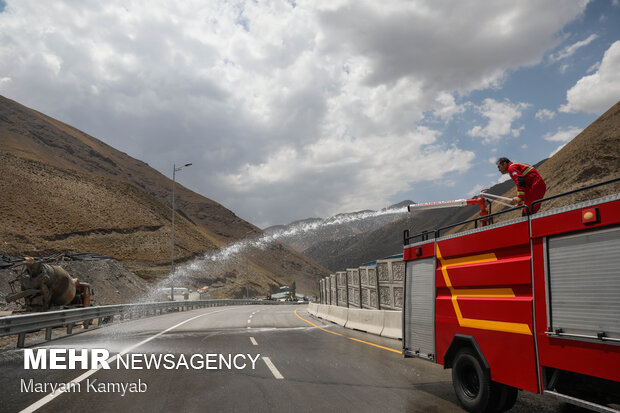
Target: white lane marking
(273,368)
(253,341)
(251,315)
(249,321)
(42,402)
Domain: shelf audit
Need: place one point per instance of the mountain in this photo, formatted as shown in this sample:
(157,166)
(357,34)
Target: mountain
(592,156)
(65,191)
(353,251)
(337,227)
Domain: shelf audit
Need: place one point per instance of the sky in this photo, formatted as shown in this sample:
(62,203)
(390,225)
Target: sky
(294,109)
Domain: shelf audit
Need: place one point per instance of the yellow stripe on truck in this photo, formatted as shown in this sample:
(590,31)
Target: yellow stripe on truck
(508,327)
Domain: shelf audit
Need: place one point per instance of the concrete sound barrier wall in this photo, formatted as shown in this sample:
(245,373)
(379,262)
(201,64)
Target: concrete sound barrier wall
(391,274)
(343,292)
(377,287)
(370,321)
(368,281)
(353,287)
(333,292)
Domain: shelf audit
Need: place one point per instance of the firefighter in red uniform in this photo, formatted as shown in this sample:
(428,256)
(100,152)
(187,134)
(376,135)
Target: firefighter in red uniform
(530,185)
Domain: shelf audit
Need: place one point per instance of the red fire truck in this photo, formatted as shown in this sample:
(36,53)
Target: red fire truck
(532,303)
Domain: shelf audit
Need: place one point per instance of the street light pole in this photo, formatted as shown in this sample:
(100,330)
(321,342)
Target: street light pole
(247,272)
(174,171)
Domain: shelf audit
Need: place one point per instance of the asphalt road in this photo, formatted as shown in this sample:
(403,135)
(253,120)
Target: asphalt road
(286,361)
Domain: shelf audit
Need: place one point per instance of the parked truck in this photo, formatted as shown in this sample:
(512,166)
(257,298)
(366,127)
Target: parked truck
(530,304)
(43,286)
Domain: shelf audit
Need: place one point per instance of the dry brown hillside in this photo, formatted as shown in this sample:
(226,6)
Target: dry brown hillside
(65,191)
(592,156)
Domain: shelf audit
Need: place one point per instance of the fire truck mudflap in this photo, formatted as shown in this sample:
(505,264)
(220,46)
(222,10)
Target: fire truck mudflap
(532,304)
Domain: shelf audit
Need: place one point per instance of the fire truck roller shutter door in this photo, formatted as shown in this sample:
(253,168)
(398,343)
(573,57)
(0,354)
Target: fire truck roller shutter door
(584,282)
(419,311)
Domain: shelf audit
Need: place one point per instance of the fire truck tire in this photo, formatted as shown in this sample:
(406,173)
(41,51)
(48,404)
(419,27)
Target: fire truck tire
(507,397)
(472,383)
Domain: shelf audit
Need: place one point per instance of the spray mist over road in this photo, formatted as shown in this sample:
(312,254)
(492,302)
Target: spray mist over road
(213,261)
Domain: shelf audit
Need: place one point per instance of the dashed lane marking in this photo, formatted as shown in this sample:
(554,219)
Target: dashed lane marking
(273,368)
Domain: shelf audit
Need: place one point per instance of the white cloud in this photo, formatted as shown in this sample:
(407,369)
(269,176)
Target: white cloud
(270,90)
(571,49)
(545,114)
(501,116)
(599,91)
(447,107)
(563,134)
(399,38)
(376,166)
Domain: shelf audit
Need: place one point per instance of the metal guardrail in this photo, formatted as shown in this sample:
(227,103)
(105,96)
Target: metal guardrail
(22,324)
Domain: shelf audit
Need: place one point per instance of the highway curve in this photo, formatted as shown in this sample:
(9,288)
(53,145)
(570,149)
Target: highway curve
(301,363)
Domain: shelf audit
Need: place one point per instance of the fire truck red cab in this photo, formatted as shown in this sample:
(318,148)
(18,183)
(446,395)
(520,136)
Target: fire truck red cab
(531,303)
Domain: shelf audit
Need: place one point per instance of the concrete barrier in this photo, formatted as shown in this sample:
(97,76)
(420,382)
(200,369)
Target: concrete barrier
(322,310)
(392,324)
(370,321)
(337,314)
(383,323)
(312,308)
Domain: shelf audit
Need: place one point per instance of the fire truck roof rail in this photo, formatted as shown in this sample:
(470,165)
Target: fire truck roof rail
(437,232)
(424,236)
(585,188)
(475,220)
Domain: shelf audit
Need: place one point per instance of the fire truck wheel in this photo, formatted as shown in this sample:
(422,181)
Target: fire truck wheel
(472,383)
(507,397)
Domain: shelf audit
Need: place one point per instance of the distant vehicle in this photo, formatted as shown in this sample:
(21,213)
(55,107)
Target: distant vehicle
(179,293)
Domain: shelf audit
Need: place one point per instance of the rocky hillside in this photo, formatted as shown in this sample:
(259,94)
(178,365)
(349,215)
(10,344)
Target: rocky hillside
(592,156)
(65,191)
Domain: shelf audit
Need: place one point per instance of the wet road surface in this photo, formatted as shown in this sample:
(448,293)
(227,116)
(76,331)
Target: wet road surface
(239,359)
